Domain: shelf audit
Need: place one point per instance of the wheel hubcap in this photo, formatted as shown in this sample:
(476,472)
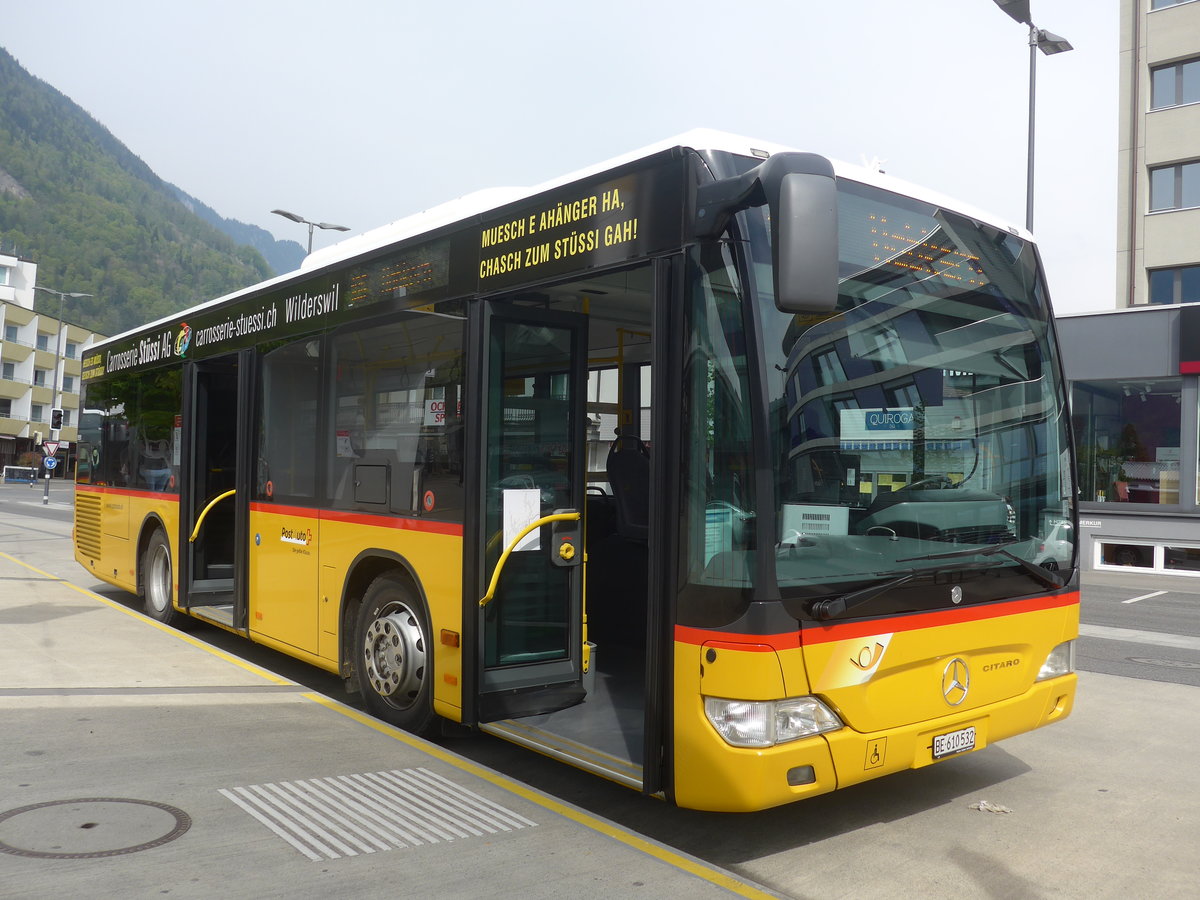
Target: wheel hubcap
(394,655)
(158,586)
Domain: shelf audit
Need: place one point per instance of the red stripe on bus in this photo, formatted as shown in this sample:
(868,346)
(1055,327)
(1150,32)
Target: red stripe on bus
(424,525)
(357,518)
(280,510)
(125,492)
(821,634)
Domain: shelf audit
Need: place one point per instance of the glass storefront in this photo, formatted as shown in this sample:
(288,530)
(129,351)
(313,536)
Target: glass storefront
(1127,436)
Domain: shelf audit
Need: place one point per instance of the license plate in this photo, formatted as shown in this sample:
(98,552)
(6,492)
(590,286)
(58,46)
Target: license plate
(954,742)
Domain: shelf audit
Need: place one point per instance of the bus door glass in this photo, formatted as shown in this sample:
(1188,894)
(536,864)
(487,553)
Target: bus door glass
(214,500)
(531,622)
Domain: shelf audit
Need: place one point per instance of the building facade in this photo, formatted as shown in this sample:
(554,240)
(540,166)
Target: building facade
(40,369)
(1135,396)
(1158,200)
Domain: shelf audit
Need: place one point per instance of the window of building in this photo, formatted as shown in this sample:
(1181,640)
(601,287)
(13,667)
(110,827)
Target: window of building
(829,368)
(1175,187)
(66,418)
(1182,559)
(10,332)
(1137,556)
(68,384)
(1127,438)
(904,395)
(43,342)
(5,408)
(1178,285)
(1175,84)
(9,371)
(4,276)
(72,350)
(36,411)
(1163,4)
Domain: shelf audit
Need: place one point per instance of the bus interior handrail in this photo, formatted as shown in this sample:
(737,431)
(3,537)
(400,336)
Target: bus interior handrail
(538,523)
(211,503)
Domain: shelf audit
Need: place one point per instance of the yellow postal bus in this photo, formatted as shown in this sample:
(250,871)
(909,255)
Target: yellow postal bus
(720,470)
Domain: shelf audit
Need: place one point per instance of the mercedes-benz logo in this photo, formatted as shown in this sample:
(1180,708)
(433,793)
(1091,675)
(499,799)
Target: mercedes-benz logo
(956,681)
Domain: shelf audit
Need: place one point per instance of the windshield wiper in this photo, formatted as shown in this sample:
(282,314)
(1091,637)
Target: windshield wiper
(1045,576)
(838,606)
(834,607)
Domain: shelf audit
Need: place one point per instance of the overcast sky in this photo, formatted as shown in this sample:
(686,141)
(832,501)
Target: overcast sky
(364,111)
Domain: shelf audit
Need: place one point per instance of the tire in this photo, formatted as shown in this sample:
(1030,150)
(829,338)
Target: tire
(394,655)
(158,581)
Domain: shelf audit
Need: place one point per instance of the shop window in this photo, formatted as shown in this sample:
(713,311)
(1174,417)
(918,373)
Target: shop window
(1136,556)
(1127,439)
(1182,559)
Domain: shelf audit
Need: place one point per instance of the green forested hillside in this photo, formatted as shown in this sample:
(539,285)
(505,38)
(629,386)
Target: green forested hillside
(96,219)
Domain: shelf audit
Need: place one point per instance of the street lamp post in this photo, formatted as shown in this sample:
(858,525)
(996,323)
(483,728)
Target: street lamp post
(303,221)
(58,367)
(1049,43)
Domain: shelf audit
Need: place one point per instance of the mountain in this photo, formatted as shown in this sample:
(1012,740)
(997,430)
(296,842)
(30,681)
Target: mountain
(281,256)
(96,219)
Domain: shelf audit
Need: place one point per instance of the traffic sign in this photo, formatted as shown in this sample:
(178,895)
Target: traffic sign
(50,462)
(50,448)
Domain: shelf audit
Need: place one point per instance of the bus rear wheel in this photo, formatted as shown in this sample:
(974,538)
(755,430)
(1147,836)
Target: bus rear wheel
(158,580)
(394,655)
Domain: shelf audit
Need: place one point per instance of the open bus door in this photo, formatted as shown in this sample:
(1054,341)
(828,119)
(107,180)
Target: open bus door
(527,638)
(214,500)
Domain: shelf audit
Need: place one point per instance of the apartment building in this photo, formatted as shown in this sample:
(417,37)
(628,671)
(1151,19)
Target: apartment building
(1135,370)
(40,367)
(1158,206)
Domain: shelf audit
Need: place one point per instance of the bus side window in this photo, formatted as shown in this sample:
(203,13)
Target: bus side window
(287,451)
(395,416)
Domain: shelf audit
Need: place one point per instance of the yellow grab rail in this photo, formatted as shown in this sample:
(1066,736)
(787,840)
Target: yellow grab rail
(544,520)
(211,503)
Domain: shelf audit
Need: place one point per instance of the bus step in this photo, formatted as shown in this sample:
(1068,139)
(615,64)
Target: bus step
(211,592)
(221,615)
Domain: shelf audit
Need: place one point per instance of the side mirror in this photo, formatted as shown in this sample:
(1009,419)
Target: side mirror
(800,193)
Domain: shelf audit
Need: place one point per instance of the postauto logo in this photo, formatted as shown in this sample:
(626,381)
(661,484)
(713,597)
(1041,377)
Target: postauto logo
(890,420)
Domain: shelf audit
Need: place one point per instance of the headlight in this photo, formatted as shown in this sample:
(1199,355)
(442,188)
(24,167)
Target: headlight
(764,723)
(1061,661)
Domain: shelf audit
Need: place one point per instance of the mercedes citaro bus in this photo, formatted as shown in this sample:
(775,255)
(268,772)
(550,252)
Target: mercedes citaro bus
(720,470)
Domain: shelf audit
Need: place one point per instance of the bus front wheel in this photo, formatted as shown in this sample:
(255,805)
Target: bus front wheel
(158,580)
(395,657)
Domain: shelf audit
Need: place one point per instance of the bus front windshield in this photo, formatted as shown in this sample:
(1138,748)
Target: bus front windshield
(919,432)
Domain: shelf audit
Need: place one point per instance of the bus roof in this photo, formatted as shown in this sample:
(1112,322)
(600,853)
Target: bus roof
(482,201)
(697,139)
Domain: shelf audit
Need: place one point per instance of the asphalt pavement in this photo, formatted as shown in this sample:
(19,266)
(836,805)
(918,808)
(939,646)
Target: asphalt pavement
(142,761)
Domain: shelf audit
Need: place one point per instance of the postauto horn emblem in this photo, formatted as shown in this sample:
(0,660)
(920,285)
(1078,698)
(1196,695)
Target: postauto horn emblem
(956,681)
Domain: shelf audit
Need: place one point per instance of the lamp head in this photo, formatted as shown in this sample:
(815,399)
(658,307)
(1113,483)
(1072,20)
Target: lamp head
(1050,43)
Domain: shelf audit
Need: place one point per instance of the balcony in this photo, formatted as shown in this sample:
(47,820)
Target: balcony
(15,351)
(13,388)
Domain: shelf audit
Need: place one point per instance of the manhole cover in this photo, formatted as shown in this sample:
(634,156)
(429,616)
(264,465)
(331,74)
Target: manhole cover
(1165,663)
(89,828)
